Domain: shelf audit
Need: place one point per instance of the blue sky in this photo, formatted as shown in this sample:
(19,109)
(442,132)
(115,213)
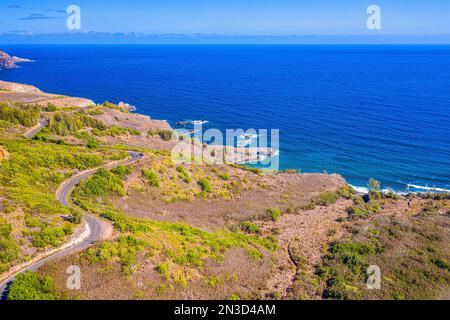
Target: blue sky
(240,17)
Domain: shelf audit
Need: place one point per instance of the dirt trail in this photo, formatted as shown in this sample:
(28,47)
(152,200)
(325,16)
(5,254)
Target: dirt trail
(303,236)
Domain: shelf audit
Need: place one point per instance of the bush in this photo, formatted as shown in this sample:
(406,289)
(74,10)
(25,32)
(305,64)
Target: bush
(375,195)
(224,176)
(184,174)
(274,214)
(327,198)
(163,269)
(250,227)
(9,250)
(374,184)
(75,216)
(92,143)
(346,192)
(204,185)
(26,116)
(165,135)
(363,210)
(66,123)
(358,212)
(48,236)
(101,183)
(115,131)
(310,206)
(50,108)
(31,286)
(152,178)
(122,171)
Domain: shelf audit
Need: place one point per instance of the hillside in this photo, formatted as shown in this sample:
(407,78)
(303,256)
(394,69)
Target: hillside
(197,231)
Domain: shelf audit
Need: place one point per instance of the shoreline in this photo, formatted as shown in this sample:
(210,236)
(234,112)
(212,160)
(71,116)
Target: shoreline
(244,155)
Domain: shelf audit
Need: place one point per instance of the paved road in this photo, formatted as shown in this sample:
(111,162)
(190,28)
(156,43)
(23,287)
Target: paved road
(29,134)
(95,225)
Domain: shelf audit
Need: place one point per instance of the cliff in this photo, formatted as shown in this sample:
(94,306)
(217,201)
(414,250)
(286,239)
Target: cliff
(8,62)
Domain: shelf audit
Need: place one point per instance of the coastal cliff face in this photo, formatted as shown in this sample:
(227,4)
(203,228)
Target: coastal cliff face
(8,62)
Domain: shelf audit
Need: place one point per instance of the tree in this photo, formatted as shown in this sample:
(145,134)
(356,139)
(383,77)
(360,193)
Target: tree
(374,184)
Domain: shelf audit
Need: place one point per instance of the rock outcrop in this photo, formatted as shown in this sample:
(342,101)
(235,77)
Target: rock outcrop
(8,62)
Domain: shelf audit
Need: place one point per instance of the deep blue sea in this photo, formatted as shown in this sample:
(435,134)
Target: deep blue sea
(360,111)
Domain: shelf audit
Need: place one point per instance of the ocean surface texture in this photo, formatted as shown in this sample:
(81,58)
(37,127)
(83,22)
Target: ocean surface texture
(360,111)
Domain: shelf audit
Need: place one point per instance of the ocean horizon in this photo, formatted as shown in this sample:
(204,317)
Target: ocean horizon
(362,111)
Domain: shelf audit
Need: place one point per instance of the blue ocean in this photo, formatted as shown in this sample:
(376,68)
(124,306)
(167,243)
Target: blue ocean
(360,111)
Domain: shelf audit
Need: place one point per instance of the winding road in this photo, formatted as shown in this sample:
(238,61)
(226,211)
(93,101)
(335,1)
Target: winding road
(31,132)
(94,225)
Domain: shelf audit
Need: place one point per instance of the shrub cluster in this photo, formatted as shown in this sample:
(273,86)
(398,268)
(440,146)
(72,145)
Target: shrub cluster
(152,178)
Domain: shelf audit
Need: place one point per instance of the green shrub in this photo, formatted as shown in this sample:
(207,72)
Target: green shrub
(375,195)
(92,143)
(250,227)
(184,174)
(31,286)
(224,176)
(115,131)
(9,250)
(310,206)
(327,198)
(165,135)
(344,266)
(48,236)
(204,185)
(163,269)
(75,217)
(101,183)
(363,210)
(274,214)
(26,116)
(152,177)
(374,184)
(68,123)
(122,171)
(358,212)
(346,191)
(50,107)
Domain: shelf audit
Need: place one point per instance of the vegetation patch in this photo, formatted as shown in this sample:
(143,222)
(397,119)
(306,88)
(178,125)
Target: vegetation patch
(152,178)
(26,116)
(9,250)
(32,286)
(101,183)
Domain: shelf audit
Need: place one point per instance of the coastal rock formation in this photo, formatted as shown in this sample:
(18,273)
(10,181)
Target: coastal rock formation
(15,92)
(8,62)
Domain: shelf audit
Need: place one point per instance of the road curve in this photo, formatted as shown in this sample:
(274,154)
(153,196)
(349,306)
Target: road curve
(31,132)
(93,223)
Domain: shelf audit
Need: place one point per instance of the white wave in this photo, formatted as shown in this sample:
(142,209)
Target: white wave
(244,143)
(247,136)
(428,188)
(360,189)
(197,122)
